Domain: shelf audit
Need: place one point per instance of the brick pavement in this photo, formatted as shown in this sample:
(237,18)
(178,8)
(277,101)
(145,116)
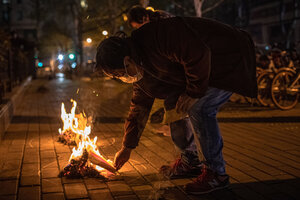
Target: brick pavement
(261,147)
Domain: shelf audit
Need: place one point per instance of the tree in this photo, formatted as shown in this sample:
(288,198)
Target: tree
(198,4)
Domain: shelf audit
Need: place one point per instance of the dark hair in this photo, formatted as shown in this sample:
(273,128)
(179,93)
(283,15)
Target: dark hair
(111,53)
(138,13)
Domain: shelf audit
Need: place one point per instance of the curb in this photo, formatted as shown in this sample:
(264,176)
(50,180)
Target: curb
(7,111)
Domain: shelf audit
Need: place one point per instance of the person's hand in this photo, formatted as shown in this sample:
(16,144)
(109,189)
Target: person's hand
(122,157)
(184,103)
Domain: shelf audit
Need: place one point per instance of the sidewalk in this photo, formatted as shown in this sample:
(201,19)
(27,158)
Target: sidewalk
(261,147)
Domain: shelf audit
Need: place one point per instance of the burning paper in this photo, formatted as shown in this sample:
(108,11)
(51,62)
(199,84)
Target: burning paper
(86,159)
(72,124)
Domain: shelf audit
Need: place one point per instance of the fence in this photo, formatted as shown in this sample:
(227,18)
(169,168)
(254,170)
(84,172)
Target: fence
(16,62)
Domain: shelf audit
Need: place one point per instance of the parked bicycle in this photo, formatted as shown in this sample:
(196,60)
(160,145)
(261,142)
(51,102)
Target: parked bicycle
(285,89)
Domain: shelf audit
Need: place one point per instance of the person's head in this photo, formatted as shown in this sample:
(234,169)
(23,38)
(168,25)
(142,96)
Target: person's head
(115,58)
(138,16)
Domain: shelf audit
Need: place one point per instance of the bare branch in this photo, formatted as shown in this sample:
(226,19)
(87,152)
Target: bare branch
(212,7)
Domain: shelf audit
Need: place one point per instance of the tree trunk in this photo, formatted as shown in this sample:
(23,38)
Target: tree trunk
(198,7)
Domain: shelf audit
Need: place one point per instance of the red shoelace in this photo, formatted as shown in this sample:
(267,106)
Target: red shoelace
(205,176)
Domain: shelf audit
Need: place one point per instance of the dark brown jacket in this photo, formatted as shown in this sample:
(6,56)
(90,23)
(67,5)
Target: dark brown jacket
(187,55)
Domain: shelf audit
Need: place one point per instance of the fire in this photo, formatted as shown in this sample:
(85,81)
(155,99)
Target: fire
(86,157)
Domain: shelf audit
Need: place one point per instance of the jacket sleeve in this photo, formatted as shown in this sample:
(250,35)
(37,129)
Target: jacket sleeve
(135,123)
(181,43)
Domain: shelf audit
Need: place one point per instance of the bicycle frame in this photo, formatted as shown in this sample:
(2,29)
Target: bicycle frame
(295,82)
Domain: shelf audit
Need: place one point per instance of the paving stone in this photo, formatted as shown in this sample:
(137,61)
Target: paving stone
(14,156)
(50,172)
(31,158)
(51,185)
(53,196)
(181,182)
(30,180)
(11,165)
(8,197)
(119,188)
(127,167)
(135,159)
(71,180)
(8,187)
(174,193)
(9,174)
(75,191)
(49,163)
(30,169)
(143,191)
(247,194)
(32,193)
(146,169)
(48,154)
(162,184)
(94,183)
(134,178)
(154,177)
(127,197)
(100,194)
(224,194)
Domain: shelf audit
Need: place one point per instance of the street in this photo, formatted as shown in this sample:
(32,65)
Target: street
(261,148)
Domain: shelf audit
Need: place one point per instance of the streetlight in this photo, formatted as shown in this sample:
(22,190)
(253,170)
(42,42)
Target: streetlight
(105,33)
(88,40)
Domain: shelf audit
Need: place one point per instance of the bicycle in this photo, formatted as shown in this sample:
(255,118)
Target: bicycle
(285,90)
(264,83)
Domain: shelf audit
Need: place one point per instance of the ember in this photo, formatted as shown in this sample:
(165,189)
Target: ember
(80,168)
(86,160)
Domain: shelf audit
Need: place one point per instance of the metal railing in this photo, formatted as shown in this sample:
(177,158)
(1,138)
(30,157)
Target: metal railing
(16,62)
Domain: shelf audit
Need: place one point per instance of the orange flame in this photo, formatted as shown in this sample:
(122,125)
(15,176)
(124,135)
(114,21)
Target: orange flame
(78,125)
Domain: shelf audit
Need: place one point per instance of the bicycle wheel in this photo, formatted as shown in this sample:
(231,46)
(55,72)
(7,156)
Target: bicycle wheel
(264,82)
(283,96)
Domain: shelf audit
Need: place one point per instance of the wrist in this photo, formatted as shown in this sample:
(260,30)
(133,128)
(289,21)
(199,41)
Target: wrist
(126,149)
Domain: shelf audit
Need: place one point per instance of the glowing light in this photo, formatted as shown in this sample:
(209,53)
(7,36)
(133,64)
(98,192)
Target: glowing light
(60,66)
(74,65)
(125,18)
(105,33)
(88,40)
(40,64)
(60,57)
(71,56)
(150,8)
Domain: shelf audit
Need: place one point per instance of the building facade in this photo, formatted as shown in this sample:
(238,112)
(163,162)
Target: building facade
(20,16)
(275,21)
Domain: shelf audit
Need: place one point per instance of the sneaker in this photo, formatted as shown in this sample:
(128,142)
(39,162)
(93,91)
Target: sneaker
(207,182)
(180,170)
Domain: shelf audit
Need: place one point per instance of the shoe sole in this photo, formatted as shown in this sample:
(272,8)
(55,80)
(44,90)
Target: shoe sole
(209,191)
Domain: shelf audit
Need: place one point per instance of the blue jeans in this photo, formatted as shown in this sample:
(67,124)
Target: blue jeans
(203,121)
